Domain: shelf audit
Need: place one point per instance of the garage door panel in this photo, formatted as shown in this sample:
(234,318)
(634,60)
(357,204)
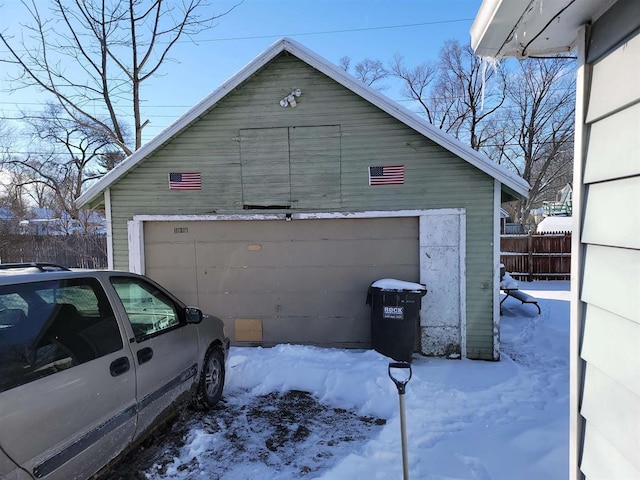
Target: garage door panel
(326,229)
(169,254)
(212,256)
(363,228)
(269,304)
(292,304)
(272,230)
(350,252)
(351,330)
(304,254)
(348,333)
(321,279)
(322,305)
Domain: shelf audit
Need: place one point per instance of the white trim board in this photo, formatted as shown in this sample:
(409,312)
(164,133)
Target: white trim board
(109,222)
(497,198)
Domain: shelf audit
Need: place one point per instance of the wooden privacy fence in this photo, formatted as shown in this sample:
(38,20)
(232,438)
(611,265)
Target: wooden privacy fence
(537,256)
(81,251)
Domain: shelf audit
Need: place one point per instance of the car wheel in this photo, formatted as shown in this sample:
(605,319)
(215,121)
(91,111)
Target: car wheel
(211,382)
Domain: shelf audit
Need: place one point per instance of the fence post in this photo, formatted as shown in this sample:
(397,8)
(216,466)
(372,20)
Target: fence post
(530,257)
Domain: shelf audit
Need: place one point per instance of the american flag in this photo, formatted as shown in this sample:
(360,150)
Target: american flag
(387,175)
(185,181)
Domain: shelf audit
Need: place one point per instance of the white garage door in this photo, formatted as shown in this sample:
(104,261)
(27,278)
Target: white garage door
(276,281)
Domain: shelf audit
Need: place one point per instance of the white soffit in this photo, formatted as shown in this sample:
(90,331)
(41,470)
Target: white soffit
(522,28)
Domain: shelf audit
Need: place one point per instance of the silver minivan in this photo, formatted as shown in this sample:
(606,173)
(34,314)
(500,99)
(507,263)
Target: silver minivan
(90,361)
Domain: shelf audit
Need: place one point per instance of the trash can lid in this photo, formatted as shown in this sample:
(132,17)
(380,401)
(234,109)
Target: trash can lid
(394,285)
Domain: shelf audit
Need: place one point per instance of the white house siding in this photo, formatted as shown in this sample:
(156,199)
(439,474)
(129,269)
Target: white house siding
(608,315)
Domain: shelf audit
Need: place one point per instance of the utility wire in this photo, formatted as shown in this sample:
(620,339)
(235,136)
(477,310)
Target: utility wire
(306,34)
(329,32)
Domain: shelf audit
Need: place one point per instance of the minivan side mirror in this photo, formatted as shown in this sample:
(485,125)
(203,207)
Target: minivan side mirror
(193,315)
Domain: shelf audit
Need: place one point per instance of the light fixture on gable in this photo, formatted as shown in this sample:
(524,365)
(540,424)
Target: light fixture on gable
(290,100)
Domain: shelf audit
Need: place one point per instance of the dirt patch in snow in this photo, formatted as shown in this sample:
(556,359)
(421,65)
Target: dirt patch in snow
(291,434)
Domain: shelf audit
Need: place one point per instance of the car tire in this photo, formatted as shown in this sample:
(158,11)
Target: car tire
(211,381)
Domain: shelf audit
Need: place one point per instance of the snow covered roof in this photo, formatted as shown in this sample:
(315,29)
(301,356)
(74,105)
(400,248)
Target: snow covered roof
(509,179)
(555,224)
(6,214)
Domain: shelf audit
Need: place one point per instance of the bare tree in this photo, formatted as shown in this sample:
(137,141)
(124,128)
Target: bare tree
(95,55)
(417,84)
(467,94)
(12,197)
(537,129)
(16,196)
(458,94)
(369,71)
(109,159)
(7,140)
(67,156)
(345,63)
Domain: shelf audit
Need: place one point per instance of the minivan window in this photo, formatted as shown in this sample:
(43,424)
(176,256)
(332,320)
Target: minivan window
(49,326)
(150,310)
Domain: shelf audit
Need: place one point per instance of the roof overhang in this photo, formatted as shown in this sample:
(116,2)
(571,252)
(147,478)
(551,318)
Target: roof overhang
(522,28)
(509,180)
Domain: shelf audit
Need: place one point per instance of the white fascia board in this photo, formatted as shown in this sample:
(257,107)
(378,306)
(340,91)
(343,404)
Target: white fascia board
(371,95)
(494,25)
(517,28)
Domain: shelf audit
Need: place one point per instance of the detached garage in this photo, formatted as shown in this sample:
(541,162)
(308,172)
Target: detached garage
(276,201)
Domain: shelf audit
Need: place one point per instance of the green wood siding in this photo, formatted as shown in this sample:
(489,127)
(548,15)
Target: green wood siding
(365,136)
(264,159)
(315,167)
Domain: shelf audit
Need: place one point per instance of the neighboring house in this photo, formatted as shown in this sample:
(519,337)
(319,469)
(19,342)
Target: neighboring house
(605,310)
(504,218)
(563,204)
(8,220)
(6,214)
(276,201)
(556,217)
(45,221)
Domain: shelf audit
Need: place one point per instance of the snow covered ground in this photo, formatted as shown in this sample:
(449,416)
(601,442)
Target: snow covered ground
(465,419)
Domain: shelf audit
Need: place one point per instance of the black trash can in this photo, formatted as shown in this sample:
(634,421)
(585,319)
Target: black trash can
(395,313)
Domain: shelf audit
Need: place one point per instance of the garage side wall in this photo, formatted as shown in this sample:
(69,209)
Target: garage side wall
(362,135)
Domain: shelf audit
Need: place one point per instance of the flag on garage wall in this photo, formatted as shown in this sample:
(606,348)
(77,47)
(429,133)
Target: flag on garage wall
(185,181)
(386,175)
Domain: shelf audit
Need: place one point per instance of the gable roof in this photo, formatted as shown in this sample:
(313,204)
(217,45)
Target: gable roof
(514,184)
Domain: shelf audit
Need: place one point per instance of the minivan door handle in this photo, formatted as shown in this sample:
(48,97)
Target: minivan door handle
(119,366)
(144,355)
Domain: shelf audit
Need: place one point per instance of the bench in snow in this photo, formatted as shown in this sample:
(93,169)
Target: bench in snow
(520,295)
